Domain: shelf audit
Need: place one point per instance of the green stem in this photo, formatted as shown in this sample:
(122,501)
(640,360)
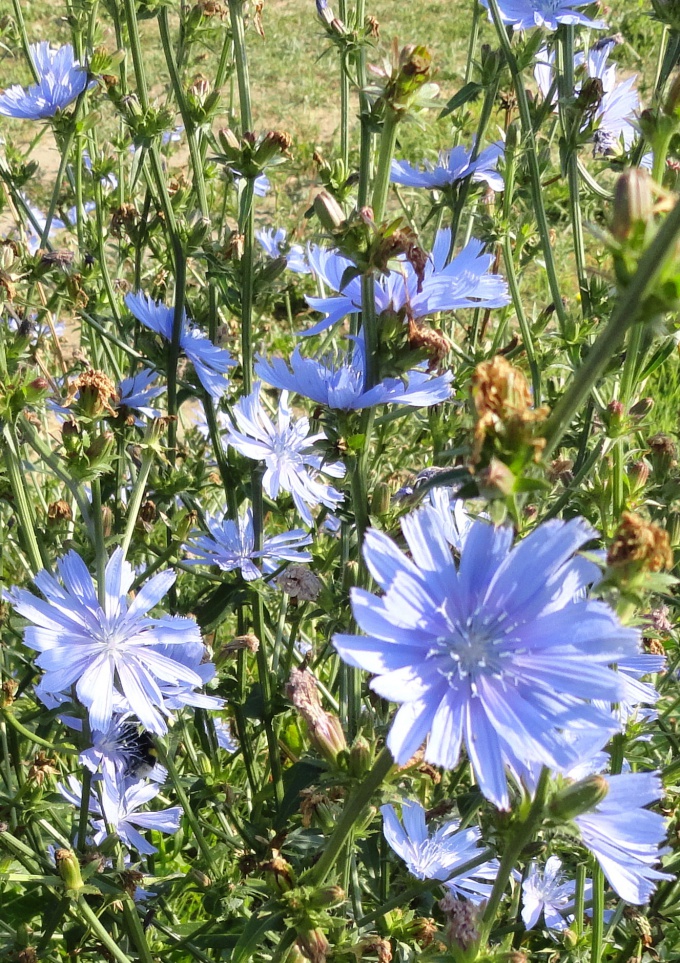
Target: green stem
(597,931)
(566,100)
(247,228)
(99,545)
(263,668)
(189,126)
(524,832)
(19,17)
(353,811)
(167,761)
(381,185)
(626,313)
(136,498)
(241,58)
(532,157)
(12,720)
(12,459)
(83,909)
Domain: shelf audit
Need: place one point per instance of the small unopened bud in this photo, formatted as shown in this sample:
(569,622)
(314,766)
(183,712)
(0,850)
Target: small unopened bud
(633,202)
(328,211)
(380,501)
(579,797)
(638,473)
(68,868)
(663,453)
(313,944)
(325,729)
(228,140)
(200,878)
(496,480)
(641,408)
(359,757)
(326,897)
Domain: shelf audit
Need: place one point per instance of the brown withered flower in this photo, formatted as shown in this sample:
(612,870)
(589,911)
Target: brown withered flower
(59,511)
(640,544)
(325,729)
(430,340)
(503,402)
(42,767)
(123,219)
(96,392)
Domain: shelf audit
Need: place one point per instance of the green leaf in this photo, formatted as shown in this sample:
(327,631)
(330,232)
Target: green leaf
(253,933)
(470,91)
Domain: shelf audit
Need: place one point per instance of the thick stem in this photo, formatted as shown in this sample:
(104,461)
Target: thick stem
(352,812)
(381,186)
(534,171)
(241,59)
(625,314)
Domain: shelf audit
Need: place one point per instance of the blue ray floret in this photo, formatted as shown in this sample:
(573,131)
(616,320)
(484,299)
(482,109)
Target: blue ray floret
(436,855)
(338,380)
(500,654)
(452,166)
(231,545)
(463,283)
(210,362)
(287,449)
(549,14)
(119,658)
(625,838)
(61,80)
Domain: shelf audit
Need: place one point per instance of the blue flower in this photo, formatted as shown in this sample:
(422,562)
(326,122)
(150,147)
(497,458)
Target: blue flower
(339,381)
(122,752)
(452,166)
(210,362)
(436,855)
(614,115)
(119,809)
(224,735)
(464,283)
(525,14)
(231,545)
(549,892)
(625,838)
(62,79)
(136,392)
(287,449)
(274,243)
(119,658)
(501,653)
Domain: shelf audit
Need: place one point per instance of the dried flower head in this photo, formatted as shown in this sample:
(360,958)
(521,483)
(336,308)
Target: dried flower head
(59,511)
(641,544)
(503,403)
(300,583)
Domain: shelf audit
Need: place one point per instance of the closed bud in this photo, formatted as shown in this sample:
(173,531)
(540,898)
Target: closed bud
(495,481)
(313,944)
(326,897)
(68,868)
(380,501)
(328,211)
(638,473)
(663,454)
(228,139)
(279,873)
(672,101)
(200,878)
(350,576)
(641,408)
(360,757)
(579,797)
(633,202)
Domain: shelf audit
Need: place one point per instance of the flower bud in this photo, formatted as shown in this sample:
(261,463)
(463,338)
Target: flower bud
(380,500)
(228,140)
(496,480)
(579,797)
(663,454)
(328,211)
(68,868)
(313,944)
(360,757)
(325,729)
(633,202)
